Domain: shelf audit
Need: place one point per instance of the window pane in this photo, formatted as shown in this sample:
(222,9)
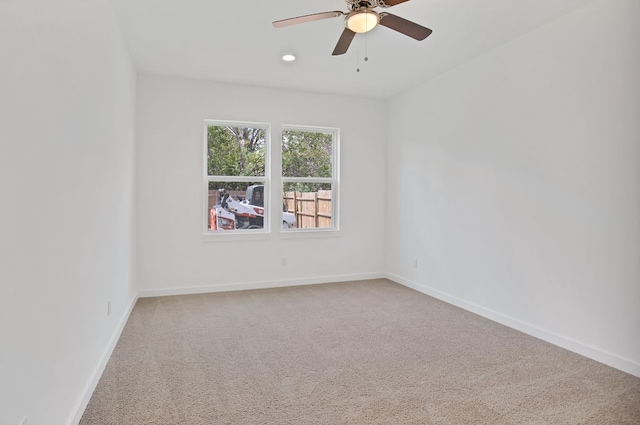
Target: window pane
(236,206)
(235,151)
(306,154)
(309,203)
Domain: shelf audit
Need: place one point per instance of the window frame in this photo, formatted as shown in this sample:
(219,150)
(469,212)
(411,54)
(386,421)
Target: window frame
(265,179)
(334,180)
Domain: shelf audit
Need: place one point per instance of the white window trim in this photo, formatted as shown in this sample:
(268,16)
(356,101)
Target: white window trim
(334,180)
(266,179)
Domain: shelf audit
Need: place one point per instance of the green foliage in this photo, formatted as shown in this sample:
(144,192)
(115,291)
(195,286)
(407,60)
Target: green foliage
(236,189)
(235,151)
(306,154)
(240,151)
(305,187)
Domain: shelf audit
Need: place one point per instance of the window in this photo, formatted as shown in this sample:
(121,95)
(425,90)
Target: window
(236,176)
(310,177)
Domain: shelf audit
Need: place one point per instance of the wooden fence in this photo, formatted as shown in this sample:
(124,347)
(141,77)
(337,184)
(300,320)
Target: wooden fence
(312,209)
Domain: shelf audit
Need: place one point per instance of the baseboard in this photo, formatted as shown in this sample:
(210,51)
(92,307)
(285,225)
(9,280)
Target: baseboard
(97,373)
(598,355)
(569,344)
(258,285)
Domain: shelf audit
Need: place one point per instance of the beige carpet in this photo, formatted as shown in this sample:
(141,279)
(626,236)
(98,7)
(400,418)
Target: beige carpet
(370,352)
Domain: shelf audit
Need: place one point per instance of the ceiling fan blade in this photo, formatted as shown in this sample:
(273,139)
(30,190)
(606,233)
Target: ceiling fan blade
(344,42)
(307,18)
(404,26)
(389,3)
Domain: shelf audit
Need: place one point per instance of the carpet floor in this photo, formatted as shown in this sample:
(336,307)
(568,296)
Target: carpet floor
(367,352)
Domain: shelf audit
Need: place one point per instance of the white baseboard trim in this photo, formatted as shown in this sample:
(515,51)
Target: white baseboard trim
(258,285)
(81,405)
(598,355)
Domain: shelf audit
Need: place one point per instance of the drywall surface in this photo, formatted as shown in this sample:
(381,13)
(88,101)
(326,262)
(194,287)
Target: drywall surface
(523,167)
(173,254)
(67,222)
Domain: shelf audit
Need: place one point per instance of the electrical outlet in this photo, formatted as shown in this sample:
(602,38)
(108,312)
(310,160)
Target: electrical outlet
(415,262)
(24,421)
(109,308)
(283,261)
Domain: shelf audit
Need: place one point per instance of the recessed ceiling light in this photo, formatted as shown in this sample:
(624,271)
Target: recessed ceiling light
(288,57)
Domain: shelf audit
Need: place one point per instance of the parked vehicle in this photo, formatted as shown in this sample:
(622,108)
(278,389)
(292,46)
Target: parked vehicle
(231,214)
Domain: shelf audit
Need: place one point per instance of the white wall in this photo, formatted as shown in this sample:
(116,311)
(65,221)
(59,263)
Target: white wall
(67,190)
(524,166)
(173,255)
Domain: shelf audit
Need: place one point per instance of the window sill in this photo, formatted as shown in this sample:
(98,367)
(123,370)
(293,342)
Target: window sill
(247,235)
(309,233)
(236,236)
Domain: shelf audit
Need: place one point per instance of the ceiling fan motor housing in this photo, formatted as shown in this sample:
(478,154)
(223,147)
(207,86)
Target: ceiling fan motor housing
(369,4)
(354,5)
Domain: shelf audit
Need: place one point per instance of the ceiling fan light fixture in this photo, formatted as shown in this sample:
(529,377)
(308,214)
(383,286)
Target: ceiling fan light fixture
(362,21)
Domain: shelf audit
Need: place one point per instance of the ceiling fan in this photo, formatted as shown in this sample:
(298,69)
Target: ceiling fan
(362,18)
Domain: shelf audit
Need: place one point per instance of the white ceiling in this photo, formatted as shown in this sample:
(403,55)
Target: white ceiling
(234,41)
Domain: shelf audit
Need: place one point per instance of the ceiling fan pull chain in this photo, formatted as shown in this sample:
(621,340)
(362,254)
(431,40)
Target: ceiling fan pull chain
(358,58)
(366,51)
(366,47)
